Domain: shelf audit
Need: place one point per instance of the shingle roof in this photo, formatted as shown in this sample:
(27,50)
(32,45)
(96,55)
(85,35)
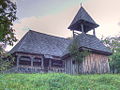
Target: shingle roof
(34,42)
(39,43)
(84,18)
(93,43)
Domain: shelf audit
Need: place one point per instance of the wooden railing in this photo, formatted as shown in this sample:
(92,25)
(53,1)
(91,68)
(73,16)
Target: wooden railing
(30,69)
(56,69)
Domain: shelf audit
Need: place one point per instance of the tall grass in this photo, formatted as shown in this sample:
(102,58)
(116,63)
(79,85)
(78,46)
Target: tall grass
(56,81)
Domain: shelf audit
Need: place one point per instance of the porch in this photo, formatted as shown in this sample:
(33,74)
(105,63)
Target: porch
(27,63)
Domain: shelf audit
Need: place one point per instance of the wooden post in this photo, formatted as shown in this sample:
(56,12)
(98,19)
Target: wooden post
(82,28)
(42,64)
(32,59)
(50,64)
(73,34)
(18,58)
(94,32)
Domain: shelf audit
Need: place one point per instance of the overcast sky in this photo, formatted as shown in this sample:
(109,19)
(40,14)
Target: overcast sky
(54,16)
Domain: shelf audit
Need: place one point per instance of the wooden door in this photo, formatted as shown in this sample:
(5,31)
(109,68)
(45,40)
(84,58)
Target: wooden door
(46,64)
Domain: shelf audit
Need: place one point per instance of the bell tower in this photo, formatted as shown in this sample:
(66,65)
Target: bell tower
(83,22)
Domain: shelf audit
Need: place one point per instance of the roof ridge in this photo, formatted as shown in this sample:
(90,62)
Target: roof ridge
(47,34)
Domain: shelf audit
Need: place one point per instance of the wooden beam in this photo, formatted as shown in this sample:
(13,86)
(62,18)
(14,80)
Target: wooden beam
(18,58)
(32,59)
(42,64)
(73,33)
(50,62)
(94,32)
(82,28)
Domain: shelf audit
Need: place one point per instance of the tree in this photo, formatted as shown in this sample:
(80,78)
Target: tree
(115,62)
(77,54)
(7,17)
(114,44)
(7,35)
(6,60)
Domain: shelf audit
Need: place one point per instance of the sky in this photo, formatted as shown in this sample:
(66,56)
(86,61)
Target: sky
(54,16)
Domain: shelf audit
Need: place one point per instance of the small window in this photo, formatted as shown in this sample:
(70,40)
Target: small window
(57,63)
(24,60)
(28,63)
(73,62)
(46,62)
(37,59)
(37,62)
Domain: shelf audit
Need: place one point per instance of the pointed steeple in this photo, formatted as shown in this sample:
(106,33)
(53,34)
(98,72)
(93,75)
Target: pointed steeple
(83,22)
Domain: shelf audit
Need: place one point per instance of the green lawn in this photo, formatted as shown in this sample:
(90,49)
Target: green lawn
(59,82)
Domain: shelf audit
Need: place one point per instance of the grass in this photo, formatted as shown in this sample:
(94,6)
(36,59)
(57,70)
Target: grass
(56,81)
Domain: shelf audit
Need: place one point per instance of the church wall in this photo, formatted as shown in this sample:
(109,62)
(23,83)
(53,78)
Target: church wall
(94,63)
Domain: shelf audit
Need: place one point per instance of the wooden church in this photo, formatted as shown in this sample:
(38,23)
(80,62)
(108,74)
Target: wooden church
(41,53)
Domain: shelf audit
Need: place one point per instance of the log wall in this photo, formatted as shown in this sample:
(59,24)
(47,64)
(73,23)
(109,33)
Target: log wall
(94,63)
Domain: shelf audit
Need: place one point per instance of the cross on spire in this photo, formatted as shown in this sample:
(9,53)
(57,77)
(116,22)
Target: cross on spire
(81,4)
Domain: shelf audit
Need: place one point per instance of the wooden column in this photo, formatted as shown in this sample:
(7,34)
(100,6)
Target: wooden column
(32,59)
(94,32)
(18,58)
(82,28)
(73,34)
(50,63)
(42,65)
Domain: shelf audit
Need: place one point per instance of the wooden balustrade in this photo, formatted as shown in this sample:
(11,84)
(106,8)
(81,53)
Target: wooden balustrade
(30,69)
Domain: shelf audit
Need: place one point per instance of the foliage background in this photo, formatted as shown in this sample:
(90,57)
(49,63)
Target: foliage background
(8,11)
(113,43)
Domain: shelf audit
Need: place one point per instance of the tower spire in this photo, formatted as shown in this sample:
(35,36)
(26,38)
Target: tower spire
(83,22)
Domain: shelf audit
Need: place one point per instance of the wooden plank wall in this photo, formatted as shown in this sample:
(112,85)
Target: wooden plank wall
(94,63)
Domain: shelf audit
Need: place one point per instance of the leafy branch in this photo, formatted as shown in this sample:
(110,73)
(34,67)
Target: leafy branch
(76,53)
(6,60)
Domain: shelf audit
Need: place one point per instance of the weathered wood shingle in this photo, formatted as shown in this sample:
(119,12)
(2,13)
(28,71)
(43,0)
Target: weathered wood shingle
(84,18)
(39,43)
(93,43)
